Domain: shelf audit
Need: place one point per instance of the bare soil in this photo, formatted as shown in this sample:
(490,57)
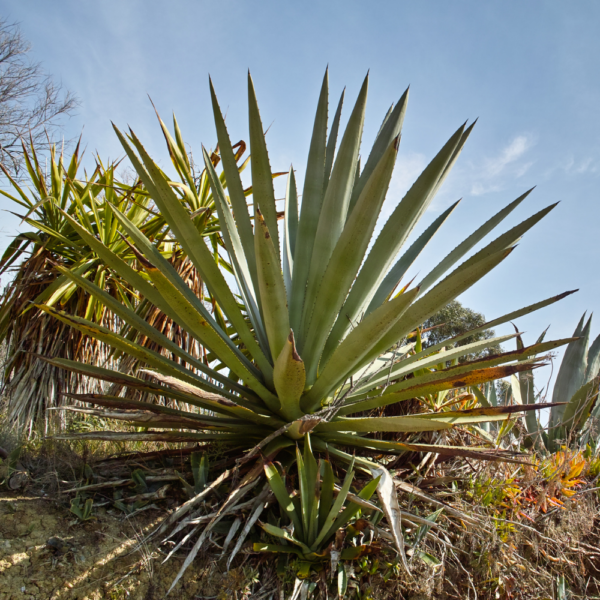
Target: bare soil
(97,559)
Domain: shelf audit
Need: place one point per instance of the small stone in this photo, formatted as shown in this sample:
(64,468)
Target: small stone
(57,545)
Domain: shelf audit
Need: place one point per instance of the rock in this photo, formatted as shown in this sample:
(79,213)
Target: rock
(58,545)
(18,480)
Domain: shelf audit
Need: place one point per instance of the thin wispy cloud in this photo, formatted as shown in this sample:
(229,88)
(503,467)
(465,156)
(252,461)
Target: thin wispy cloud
(511,162)
(508,156)
(488,175)
(479,188)
(588,166)
(580,167)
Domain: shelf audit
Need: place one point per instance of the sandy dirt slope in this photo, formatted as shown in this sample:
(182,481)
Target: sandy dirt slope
(98,559)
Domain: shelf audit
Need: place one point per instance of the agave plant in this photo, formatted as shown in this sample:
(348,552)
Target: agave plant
(313,336)
(575,393)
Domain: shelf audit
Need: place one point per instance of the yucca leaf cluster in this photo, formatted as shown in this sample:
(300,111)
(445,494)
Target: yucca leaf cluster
(66,207)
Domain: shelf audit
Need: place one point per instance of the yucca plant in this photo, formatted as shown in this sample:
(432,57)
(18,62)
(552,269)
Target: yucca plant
(313,335)
(575,393)
(33,386)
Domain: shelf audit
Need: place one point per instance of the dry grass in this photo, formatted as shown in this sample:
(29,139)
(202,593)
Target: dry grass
(503,555)
(517,547)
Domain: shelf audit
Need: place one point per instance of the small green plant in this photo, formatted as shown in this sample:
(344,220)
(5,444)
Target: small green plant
(123,505)
(342,581)
(418,538)
(562,588)
(82,510)
(139,481)
(87,474)
(314,514)
(200,465)
(199,471)
(140,486)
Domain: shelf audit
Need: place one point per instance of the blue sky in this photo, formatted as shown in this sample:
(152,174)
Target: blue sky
(528,70)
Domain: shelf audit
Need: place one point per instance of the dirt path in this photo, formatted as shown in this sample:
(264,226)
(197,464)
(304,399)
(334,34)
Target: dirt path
(97,559)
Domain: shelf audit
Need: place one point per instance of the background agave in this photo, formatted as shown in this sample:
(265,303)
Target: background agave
(314,336)
(576,388)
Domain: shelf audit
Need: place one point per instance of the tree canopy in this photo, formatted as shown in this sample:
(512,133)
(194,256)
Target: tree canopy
(455,319)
